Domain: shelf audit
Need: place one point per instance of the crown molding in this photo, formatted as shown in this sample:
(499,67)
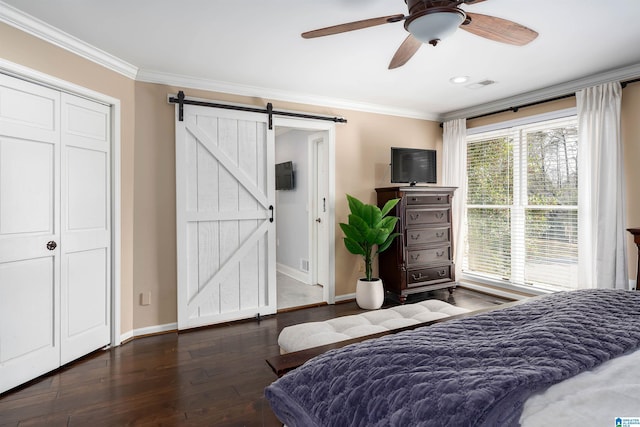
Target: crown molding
(31,25)
(567,88)
(27,23)
(182,81)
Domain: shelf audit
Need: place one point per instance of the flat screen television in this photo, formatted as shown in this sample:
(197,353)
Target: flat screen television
(284,176)
(413,165)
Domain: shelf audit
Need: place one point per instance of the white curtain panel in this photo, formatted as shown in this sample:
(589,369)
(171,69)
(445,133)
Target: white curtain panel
(602,256)
(454,174)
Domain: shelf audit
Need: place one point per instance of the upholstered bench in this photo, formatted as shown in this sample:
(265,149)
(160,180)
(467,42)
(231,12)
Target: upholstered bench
(313,334)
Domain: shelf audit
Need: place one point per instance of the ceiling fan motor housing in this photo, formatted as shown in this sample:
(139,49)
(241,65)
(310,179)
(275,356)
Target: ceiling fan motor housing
(420,5)
(430,24)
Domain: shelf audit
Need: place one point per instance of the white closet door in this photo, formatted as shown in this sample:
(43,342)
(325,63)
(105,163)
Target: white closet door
(29,219)
(225,193)
(54,229)
(85,208)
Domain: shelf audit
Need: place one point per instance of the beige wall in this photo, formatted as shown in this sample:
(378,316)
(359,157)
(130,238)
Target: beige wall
(362,164)
(630,123)
(148,175)
(148,172)
(362,159)
(23,49)
(154,231)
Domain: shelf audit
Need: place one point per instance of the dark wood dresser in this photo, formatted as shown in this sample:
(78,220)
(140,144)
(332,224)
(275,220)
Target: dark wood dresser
(421,259)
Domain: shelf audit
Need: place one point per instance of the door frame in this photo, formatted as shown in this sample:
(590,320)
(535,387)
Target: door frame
(329,128)
(40,78)
(317,151)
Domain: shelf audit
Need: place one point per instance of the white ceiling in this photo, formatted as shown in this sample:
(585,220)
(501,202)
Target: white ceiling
(253,47)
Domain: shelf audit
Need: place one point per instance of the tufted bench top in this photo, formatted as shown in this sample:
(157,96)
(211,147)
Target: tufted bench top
(313,334)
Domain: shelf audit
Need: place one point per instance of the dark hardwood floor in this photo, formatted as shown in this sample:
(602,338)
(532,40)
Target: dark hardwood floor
(208,377)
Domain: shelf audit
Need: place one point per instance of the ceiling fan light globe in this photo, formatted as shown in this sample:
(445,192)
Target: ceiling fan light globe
(435,24)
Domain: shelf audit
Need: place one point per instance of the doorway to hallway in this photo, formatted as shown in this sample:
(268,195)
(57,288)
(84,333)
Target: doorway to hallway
(302,218)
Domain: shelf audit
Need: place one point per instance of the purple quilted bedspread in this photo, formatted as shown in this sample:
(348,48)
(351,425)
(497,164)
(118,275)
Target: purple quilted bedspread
(476,371)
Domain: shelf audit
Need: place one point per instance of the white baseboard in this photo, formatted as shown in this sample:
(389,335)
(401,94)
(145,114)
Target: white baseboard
(347,297)
(155,329)
(126,336)
(294,273)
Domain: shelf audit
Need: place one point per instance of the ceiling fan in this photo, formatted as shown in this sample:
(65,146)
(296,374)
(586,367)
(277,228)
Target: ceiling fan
(429,21)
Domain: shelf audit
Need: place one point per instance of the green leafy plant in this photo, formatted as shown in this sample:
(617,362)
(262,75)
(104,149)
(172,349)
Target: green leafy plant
(368,227)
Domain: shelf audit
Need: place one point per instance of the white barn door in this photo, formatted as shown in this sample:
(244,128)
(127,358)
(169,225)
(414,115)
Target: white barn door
(225,198)
(55,284)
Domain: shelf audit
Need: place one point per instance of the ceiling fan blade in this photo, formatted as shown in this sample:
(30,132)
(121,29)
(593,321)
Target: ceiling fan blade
(407,49)
(498,29)
(350,26)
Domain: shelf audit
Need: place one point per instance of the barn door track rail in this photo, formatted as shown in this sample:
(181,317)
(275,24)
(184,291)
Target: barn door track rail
(181,101)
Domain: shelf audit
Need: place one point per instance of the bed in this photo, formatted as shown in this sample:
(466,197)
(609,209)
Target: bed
(567,358)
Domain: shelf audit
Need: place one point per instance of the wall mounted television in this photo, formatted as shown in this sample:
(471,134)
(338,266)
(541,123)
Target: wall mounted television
(285,176)
(413,165)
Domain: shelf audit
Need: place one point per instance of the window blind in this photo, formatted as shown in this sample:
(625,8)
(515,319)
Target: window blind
(522,204)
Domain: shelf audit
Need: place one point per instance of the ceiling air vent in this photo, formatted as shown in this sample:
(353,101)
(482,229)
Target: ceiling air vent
(480,84)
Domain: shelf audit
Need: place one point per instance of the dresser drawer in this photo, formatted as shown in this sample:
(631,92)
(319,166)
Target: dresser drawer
(424,256)
(420,236)
(426,216)
(420,276)
(428,199)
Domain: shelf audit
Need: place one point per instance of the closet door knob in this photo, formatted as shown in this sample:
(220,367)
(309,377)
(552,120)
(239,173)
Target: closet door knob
(51,245)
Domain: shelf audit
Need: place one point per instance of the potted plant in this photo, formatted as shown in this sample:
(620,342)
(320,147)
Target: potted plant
(369,232)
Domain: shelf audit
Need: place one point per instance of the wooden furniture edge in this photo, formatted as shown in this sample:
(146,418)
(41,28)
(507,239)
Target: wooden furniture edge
(636,239)
(284,363)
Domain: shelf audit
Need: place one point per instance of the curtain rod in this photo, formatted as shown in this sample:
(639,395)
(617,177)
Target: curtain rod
(181,100)
(531,104)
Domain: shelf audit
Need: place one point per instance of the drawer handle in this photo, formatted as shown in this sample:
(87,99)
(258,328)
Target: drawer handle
(415,237)
(415,257)
(414,199)
(439,198)
(439,254)
(414,216)
(439,215)
(442,273)
(416,276)
(440,234)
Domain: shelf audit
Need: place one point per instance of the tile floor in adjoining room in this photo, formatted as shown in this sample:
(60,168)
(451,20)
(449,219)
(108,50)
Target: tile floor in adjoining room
(293,293)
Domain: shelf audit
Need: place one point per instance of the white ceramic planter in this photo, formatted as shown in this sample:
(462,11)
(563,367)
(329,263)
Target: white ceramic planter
(369,295)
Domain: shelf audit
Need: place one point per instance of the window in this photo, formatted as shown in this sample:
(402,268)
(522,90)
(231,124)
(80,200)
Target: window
(522,204)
